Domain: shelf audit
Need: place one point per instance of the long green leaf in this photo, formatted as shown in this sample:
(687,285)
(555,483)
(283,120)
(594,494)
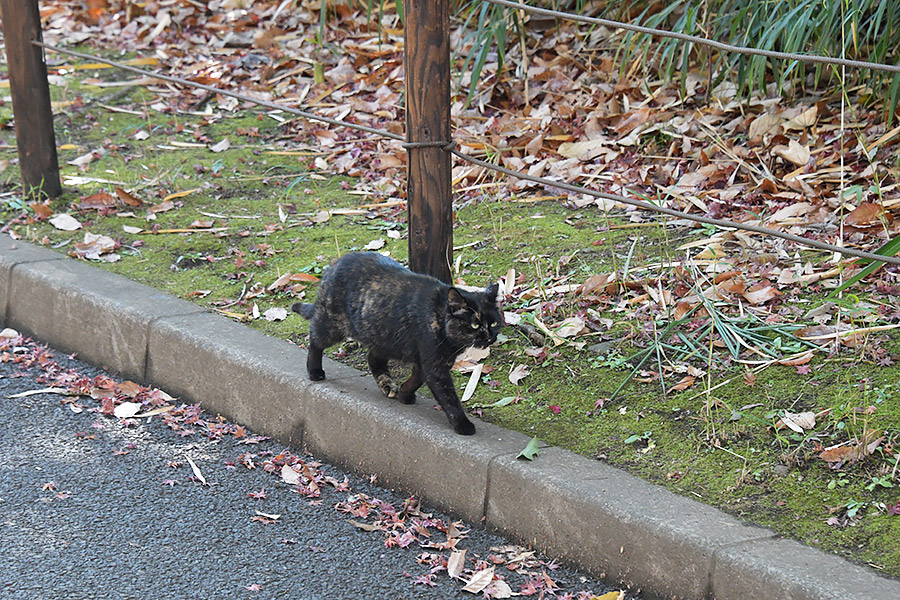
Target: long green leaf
(890,249)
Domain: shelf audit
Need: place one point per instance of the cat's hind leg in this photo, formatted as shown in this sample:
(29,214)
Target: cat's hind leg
(382,375)
(314,362)
(320,337)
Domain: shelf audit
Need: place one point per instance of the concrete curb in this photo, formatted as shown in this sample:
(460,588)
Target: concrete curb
(594,515)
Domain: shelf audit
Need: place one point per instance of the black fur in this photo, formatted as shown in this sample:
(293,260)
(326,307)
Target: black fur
(397,314)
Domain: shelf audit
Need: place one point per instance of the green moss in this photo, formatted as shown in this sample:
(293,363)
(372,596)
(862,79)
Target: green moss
(718,445)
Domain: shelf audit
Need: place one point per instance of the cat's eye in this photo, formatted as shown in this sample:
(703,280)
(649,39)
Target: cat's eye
(476,325)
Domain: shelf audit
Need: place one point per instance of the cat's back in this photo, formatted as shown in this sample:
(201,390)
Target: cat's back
(362,274)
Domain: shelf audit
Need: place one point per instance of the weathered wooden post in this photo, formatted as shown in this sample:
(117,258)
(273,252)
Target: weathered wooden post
(30,96)
(427,65)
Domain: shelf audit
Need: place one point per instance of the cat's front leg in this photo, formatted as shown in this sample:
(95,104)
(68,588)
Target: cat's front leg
(441,385)
(408,389)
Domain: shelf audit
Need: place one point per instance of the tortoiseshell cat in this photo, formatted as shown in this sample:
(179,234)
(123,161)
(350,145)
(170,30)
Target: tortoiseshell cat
(397,314)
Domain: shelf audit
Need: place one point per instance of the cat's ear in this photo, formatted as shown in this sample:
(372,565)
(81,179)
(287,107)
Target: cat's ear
(456,304)
(490,292)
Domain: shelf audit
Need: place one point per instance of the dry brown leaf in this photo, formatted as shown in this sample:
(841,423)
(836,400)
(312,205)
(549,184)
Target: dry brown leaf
(129,388)
(96,201)
(763,124)
(760,293)
(598,283)
(570,327)
(633,120)
(684,384)
(456,563)
(479,580)
(805,119)
(65,222)
(127,198)
(867,213)
(793,152)
(798,422)
(518,373)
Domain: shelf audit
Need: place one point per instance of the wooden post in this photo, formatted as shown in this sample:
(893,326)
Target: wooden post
(429,198)
(30,96)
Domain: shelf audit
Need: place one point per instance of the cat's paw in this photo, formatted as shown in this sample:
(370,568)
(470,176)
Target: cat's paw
(464,427)
(407,398)
(387,386)
(316,375)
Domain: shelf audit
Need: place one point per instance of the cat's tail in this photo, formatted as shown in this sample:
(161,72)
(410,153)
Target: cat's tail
(304,309)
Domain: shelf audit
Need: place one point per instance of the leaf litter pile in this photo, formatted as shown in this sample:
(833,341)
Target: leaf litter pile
(440,544)
(681,312)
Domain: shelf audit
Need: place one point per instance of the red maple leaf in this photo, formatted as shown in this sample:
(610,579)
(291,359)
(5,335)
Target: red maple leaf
(260,495)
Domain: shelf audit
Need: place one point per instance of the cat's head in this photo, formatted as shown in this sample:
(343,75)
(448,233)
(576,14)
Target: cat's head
(473,317)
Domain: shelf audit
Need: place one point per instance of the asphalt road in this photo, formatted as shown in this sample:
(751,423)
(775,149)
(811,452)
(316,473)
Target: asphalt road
(95,506)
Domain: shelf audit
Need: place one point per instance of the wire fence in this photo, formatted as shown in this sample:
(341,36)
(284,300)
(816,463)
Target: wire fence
(450,145)
(807,58)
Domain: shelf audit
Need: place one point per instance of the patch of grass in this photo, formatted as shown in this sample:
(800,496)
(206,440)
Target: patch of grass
(268,217)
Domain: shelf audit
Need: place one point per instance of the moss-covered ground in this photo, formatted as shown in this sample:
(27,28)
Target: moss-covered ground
(240,218)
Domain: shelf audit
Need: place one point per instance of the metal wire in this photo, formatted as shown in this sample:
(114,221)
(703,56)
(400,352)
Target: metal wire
(808,58)
(450,146)
(209,88)
(895,260)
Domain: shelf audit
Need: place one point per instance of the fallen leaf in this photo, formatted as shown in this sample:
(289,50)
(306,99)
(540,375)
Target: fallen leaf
(364,526)
(805,119)
(165,205)
(479,580)
(48,390)
(82,160)
(221,146)
(684,383)
(126,410)
(201,224)
(518,373)
(867,213)
(94,246)
(97,201)
(289,475)
(570,327)
(276,313)
(196,471)
(177,195)
(498,589)
(65,222)
(760,293)
(127,198)
(798,422)
(375,244)
(456,563)
(620,595)
(472,383)
(793,152)
(41,210)
(531,450)
(763,124)
(470,357)
(320,217)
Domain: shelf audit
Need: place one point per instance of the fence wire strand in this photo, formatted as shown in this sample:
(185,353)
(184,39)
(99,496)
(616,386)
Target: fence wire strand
(808,58)
(215,90)
(450,146)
